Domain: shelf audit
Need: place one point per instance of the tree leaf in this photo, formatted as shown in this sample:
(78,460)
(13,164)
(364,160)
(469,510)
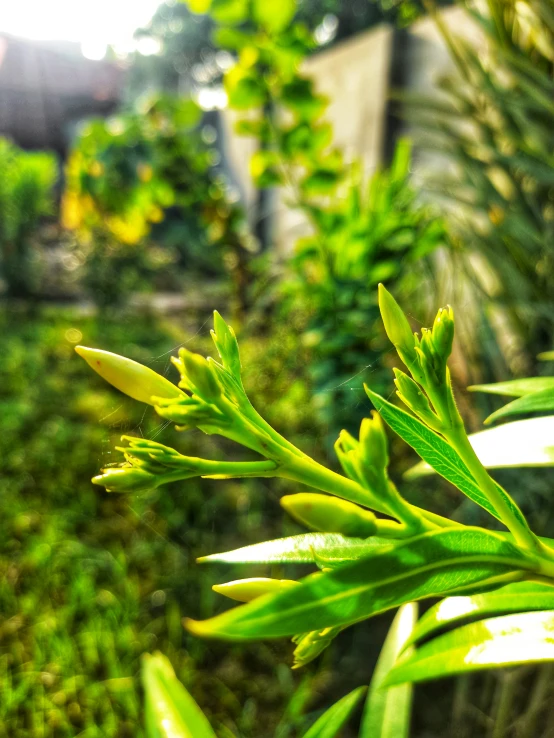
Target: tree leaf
(516,597)
(274,16)
(232,12)
(535,402)
(388,709)
(437,455)
(332,720)
(509,640)
(515,387)
(521,443)
(170,711)
(431,565)
(198,6)
(546,356)
(306,548)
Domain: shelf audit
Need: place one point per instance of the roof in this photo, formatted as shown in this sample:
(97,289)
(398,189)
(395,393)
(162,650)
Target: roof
(47,87)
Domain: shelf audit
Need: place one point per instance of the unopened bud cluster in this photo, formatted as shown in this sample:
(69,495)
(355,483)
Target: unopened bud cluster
(310,645)
(426,357)
(365,460)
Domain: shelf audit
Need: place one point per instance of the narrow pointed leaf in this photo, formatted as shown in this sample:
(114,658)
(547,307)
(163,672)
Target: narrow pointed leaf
(387,710)
(170,711)
(509,640)
(516,597)
(516,387)
(533,403)
(431,565)
(332,720)
(306,548)
(521,443)
(437,455)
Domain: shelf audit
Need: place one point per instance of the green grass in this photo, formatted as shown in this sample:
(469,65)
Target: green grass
(89,581)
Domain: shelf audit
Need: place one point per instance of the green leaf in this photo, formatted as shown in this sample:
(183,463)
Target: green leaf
(509,640)
(516,387)
(437,455)
(232,12)
(546,356)
(522,443)
(170,711)
(431,565)
(307,548)
(264,168)
(535,402)
(388,709)
(198,6)
(244,89)
(299,96)
(320,182)
(516,597)
(274,16)
(329,724)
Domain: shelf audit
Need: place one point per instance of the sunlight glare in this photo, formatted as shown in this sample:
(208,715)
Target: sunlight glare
(94,24)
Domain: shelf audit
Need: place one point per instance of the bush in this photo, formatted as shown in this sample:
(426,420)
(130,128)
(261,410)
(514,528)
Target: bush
(26,197)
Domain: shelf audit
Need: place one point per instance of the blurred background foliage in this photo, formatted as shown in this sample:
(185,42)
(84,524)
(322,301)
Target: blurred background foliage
(492,127)
(26,197)
(146,183)
(130,245)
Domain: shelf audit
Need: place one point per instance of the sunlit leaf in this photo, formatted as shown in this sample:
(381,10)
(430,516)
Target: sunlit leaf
(170,711)
(515,387)
(244,88)
(437,455)
(232,12)
(509,640)
(388,709)
(546,356)
(329,724)
(198,6)
(274,16)
(522,443)
(535,402)
(306,548)
(439,562)
(516,597)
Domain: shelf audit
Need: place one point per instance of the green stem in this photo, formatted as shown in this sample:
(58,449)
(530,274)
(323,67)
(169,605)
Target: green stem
(504,700)
(315,475)
(294,464)
(458,439)
(237,468)
(539,695)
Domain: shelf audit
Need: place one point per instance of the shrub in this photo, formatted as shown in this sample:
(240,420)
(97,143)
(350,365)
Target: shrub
(26,197)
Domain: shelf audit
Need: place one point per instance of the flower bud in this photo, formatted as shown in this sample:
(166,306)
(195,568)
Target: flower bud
(443,332)
(245,590)
(130,377)
(348,460)
(227,346)
(412,395)
(191,413)
(126,479)
(347,441)
(330,514)
(397,326)
(373,443)
(310,645)
(198,375)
